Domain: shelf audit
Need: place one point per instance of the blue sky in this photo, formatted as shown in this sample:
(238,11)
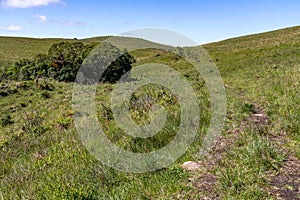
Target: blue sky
(201,20)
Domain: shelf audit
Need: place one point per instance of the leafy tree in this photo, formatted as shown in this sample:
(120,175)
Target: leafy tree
(26,69)
(109,61)
(118,68)
(67,59)
(43,65)
(22,70)
(64,60)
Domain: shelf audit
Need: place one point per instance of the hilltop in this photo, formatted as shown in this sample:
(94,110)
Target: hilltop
(16,48)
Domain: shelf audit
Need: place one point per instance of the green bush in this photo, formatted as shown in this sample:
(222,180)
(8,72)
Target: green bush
(109,61)
(64,60)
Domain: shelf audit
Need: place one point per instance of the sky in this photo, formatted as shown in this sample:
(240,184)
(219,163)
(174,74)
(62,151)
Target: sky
(203,21)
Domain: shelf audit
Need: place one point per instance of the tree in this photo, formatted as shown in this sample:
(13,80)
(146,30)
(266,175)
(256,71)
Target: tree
(22,70)
(118,68)
(67,58)
(64,60)
(109,61)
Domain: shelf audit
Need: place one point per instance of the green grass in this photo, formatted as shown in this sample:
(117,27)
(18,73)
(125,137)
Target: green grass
(243,171)
(267,75)
(41,156)
(259,69)
(14,49)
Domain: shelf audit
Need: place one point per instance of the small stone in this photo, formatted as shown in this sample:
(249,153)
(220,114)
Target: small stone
(258,115)
(190,166)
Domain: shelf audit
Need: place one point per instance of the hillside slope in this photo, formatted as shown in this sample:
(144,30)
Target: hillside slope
(262,74)
(261,40)
(257,156)
(15,48)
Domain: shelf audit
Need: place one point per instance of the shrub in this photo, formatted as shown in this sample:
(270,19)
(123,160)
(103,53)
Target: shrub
(108,60)
(64,60)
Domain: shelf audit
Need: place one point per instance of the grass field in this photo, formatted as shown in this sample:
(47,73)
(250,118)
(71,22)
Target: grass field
(257,157)
(14,49)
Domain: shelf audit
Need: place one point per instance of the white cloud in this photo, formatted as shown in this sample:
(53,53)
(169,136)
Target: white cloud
(12,28)
(40,18)
(27,3)
(75,23)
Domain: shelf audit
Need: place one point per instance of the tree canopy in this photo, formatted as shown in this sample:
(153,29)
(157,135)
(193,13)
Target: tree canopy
(64,60)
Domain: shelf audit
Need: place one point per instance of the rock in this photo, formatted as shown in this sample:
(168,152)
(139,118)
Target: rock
(190,166)
(258,115)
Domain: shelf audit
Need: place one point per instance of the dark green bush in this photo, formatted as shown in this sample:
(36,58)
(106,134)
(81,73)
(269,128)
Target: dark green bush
(109,61)
(64,60)
(117,69)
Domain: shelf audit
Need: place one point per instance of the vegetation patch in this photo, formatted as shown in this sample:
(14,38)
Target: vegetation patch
(257,156)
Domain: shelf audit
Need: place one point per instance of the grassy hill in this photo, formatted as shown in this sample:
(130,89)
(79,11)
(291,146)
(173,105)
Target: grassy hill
(13,49)
(257,156)
(263,71)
